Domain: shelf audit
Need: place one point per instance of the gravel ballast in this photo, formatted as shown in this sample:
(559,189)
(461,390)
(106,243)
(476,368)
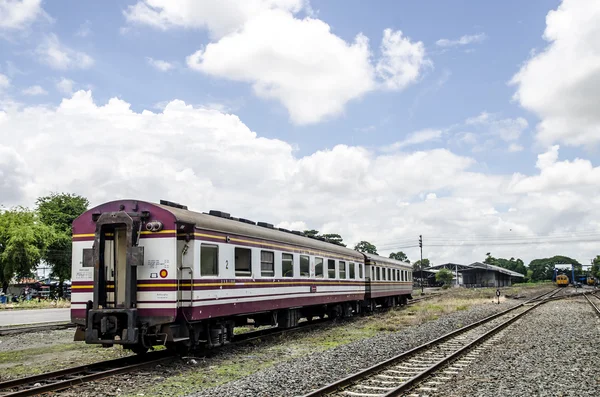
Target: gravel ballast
(552,351)
(301,375)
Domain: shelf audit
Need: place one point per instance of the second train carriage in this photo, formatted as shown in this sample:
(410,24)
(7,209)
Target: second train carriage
(146,274)
(389,282)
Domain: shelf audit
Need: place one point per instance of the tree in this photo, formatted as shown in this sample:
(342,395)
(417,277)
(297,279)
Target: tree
(334,238)
(596,266)
(311,233)
(543,269)
(23,242)
(59,210)
(399,256)
(516,265)
(366,247)
(444,276)
(418,265)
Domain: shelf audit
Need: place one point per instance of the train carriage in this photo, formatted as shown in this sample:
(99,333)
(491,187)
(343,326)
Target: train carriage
(388,283)
(146,274)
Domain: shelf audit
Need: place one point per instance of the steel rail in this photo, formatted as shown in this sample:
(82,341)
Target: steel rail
(592,303)
(65,378)
(352,379)
(33,328)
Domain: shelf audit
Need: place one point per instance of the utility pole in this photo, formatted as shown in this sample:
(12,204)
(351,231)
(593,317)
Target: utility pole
(421,266)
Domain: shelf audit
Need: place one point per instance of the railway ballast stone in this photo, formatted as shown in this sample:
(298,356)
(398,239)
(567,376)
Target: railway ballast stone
(304,374)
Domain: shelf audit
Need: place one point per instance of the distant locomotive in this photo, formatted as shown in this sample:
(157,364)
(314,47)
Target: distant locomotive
(562,280)
(146,274)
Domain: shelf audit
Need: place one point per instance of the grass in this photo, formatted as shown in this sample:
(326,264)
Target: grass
(34,304)
(33,361)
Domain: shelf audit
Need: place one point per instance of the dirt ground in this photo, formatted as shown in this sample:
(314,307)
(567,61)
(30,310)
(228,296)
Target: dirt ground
(33,353)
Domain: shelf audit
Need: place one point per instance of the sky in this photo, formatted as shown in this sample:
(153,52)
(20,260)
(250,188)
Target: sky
(473,124)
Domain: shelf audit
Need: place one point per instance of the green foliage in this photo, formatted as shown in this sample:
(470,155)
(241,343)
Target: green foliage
(444,276)
(332,238)
(418,265)
(543,269)
(366,247)
(516,265)
(311,233)
(596,267)
(23,242)
(399,256)
(59,210)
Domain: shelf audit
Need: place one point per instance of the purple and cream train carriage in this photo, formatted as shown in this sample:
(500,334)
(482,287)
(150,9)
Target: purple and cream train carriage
(146,274)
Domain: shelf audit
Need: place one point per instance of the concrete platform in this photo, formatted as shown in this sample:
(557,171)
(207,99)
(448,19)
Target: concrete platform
(34,316)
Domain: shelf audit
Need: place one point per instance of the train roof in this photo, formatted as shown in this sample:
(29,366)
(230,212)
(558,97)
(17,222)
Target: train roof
(382,260)
(244,228)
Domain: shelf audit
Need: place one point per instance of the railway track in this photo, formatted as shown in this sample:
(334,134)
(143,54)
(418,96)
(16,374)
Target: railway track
(419,370)
(33,328)
(66,378)
(594,305)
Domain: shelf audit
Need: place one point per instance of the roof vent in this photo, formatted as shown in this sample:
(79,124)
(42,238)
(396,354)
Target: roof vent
(284,230)
(299,233)
(233,218)
(248,221)
(265,224)
(174,205)
(220,214)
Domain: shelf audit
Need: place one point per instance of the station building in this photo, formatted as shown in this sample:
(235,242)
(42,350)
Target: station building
(475,275)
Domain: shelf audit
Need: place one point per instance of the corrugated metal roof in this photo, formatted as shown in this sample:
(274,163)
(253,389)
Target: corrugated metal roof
(474,266)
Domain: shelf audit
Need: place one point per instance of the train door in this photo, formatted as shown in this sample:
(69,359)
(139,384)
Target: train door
(120,254)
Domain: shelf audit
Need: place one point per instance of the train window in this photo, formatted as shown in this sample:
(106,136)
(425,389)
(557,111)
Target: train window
(243,261)
(383,273)
(360,270)
(287,265)
(378,274)
(372,273)
(342,269)
(397,275)
(389,272)
(351,270)
(393,274)
(304,266)
(209,260)
(319,267)
(267,264)
(330,268)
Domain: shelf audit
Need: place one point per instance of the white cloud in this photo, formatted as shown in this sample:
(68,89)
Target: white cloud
(506,129)
(402,61)
(463,40)
(85,29)
(264,43)
(561,83)
(34,90)
(359,193)
(415,138)
(65,86)
(4,82)
(19,14)
(58,56)
(158,64)
(515,147)
(220,17)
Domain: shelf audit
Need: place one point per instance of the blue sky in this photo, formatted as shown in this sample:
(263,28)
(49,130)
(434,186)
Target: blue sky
(431,92)
(464,80)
